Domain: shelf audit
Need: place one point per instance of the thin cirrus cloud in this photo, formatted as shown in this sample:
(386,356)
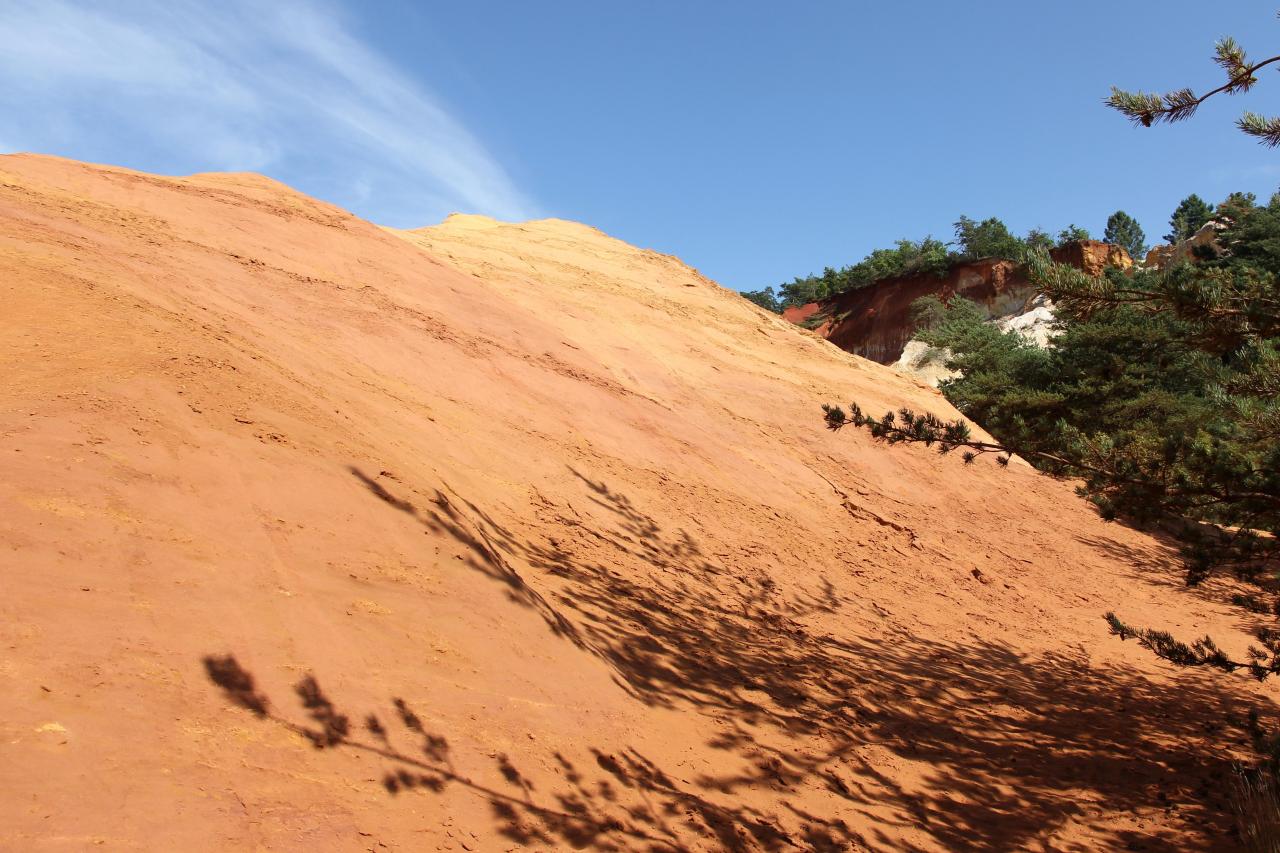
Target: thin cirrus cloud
(280,87)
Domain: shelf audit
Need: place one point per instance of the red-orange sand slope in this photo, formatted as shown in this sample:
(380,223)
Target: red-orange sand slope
(316,535)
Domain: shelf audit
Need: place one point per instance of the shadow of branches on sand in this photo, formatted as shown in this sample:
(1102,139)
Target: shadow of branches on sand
(957,746)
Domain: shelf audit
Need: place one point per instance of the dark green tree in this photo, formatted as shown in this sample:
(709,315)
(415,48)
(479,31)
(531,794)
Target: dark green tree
(1189,217)
(1072,234)
(802,291)
(1148,109)
(989,238)
(1038,239)
(766,299)
(1124,231)
(1234,206)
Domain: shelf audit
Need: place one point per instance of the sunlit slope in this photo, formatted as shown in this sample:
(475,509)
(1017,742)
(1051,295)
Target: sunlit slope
(553,523)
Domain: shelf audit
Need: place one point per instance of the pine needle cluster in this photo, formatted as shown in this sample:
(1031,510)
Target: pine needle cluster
(1147,109)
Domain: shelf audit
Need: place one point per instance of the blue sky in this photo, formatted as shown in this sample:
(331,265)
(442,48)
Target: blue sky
(757,141)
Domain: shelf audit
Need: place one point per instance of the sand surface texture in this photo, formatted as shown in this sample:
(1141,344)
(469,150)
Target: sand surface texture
(316,535)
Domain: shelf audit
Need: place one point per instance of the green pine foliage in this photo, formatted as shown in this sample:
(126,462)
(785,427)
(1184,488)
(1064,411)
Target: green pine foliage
(1124,231)
(766,299)
(974,240)
(989,238)
(1072,234)
(1189,217)
(1039,239)
(802,291)
(1161,394)
(905,258)
(1146,109)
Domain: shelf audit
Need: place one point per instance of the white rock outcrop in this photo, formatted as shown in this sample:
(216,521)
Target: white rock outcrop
(1035,322)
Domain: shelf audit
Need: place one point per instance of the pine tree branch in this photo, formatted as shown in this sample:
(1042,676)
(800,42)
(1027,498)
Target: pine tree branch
(927,429)
(1147,109)
(1203,652)
(1137,297)
(1262,662)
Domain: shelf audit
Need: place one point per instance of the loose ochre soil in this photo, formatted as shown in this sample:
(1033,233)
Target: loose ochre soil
(316,535)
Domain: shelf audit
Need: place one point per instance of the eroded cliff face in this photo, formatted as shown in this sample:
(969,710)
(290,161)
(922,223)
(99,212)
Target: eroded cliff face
(1167,255)
(875,322)
(1092,256)
(316,535)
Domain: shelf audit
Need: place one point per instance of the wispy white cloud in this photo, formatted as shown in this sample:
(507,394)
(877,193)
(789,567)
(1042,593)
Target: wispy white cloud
(282,87)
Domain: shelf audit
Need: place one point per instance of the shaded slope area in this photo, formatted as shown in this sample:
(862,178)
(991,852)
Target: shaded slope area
(320,535)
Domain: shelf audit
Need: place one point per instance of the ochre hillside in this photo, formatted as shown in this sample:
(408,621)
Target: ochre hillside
(316,535)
